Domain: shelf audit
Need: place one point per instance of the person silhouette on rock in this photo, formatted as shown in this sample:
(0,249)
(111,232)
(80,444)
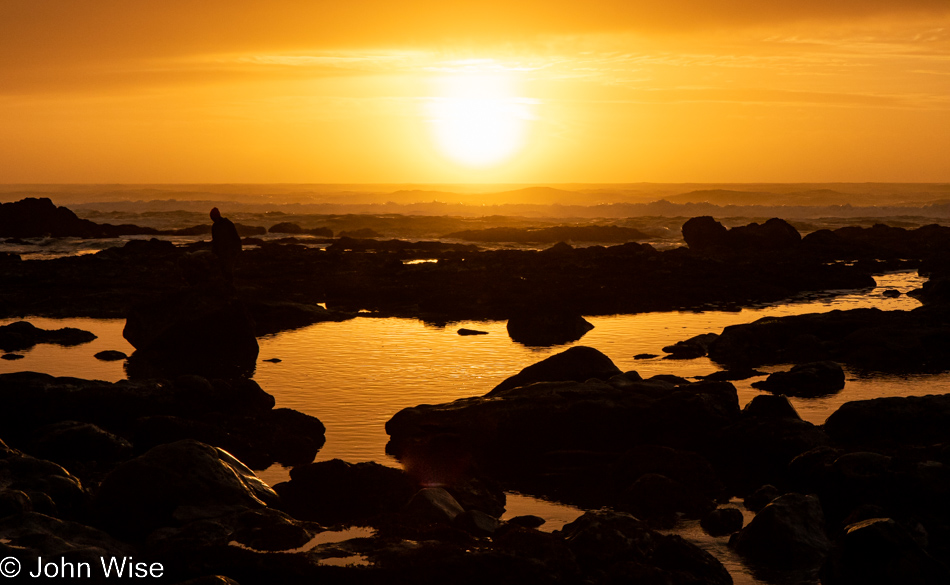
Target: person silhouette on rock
(225,243)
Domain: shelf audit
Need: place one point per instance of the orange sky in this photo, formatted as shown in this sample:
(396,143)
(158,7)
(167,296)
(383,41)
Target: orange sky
(483,91)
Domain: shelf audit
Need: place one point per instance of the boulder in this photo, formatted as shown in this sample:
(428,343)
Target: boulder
(908,420)
(622,546)
(285,227)
(880,551)
(197,330)
(806,380)
(464,331)
(722,521)
(39,485)
(335,491)
(31,535)
(704,233)
(577,363)
(69,441)
(546,329)
(761,498)
(110,355)
(787,533)
(434,505)
(174,484)
(770,406)
(692,348)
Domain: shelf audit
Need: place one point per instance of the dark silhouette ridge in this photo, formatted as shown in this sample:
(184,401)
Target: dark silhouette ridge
(225,243)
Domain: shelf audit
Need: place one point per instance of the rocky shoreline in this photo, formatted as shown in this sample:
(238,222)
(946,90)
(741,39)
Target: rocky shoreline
(158,468)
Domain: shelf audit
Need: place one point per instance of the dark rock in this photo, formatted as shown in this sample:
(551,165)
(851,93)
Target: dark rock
(909,420)
(590,233)
(774,234)
(12,356)
(577,363)
(176,483)
(464,331)
(50,488)
(14,502)
(31,535)
(619,544)
(657,498)
(756,450)
(434,505)
(880,551)
(335,491)
(274,360)
(527,521)
(811,379)
(704,233)
(196,330)
(110,356)
(69,441)
(761,498)
(360,233)
(770,406)
(787,533)
(732,375)
(23,335)
(722,521)
(690,471)
(286,227)
(891,293)
(35,218)
(273,316)
(692,348)
(645,356)
(477,523)
(545,329)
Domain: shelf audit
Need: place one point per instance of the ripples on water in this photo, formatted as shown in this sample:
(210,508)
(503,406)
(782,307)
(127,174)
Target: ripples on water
(354,375)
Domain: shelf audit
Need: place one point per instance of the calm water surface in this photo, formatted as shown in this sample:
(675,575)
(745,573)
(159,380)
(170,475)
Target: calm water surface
(355,375)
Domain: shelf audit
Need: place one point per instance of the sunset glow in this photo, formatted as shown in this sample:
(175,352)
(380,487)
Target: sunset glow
(611,92)
(477,120)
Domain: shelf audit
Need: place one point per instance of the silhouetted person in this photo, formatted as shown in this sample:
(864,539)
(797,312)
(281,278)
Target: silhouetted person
(225,243)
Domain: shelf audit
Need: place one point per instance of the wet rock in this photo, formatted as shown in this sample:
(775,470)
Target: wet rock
(464,331)
(197,330)
(910,420)
(434,505)
(285,227)
(880,551)
(722,521)
(70,441)
(871,339)
(49,488)
(24,335)
(527,521)
(619,545)
(176,483)
(787,533)
(657,499)
(275,316)
(689,470)
(761,498)
(335,491)
(770,406)
(756,450)
(477,523)
(692,348)
(577,363)
(12,356)
(891,293)
(645,356)
(31,535)
(731,375)
(545,329)
(811,379)
(110,356)
(14,502)
(704,233)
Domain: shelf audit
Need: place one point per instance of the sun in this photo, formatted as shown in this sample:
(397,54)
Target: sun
(477,120)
